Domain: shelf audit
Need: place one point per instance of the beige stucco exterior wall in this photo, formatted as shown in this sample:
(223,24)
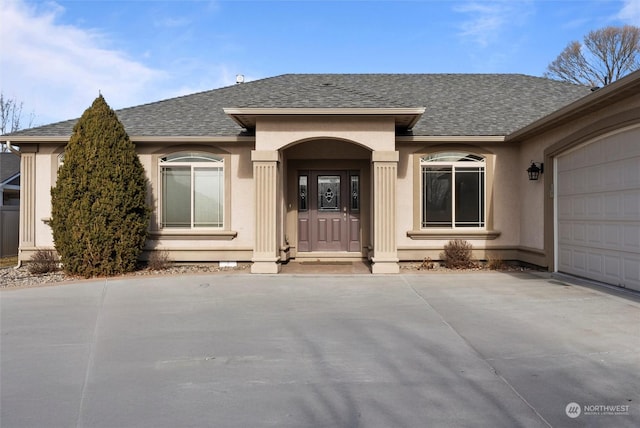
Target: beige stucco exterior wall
(235,244)
(503,210)
(531,198)
(46,169)
(375,133)
(38,168)
(536,225)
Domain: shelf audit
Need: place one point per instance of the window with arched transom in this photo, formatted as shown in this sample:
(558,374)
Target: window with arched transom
(452,190)
(192,190)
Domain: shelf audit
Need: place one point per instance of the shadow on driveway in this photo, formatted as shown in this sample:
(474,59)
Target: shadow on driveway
(485,349)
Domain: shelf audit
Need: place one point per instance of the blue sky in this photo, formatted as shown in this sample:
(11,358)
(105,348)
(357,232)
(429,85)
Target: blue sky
(55,56)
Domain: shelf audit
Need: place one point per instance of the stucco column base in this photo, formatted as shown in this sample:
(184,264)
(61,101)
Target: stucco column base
(384,266)
(262,266)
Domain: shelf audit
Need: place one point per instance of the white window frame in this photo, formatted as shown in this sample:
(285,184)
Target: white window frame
(446,159)
(205,160)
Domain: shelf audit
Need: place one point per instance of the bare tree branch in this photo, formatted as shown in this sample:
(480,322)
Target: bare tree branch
(11,117)
(606,55)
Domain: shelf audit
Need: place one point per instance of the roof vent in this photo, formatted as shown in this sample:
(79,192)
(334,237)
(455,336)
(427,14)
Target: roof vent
(239,78)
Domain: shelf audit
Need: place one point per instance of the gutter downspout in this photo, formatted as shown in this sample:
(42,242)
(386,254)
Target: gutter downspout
(17,153)
(13,149)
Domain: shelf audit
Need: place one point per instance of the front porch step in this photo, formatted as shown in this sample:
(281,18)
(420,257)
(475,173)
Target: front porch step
(327,267)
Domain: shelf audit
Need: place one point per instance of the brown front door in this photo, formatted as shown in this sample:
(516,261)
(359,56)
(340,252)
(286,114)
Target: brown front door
(329,211)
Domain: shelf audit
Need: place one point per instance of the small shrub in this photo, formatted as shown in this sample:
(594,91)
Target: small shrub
(43,261)
(159,260)
(495,263)
(427,264)
(457,254)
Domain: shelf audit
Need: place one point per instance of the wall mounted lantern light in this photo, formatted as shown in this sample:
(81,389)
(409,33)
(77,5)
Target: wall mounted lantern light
(534,170)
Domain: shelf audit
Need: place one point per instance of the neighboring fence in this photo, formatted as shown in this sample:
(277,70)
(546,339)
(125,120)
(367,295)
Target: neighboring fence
(9,225)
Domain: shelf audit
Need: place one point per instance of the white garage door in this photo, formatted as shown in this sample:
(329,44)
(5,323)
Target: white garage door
(598,210)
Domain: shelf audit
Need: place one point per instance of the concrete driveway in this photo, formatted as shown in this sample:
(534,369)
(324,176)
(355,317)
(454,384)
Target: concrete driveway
(425,350)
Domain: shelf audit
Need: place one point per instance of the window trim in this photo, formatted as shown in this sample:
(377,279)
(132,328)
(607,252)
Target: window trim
(487,232)
(478,163)
(215,233)
(211,163)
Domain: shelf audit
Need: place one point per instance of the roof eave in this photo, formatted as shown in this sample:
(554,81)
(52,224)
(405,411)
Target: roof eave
(405,117)
(26,139)
(450,138)
(623,88)
(36,138)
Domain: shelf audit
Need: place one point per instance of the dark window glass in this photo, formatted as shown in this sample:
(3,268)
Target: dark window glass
(355,193)
(436,210)
(329,192)
(453,196)
(303,193)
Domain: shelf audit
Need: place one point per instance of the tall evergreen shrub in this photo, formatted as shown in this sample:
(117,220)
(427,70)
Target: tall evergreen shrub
(99,211)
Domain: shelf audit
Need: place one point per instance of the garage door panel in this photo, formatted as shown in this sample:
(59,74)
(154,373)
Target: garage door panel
(564,232)
(624,205)
(564,208)
(594,180)
(632,238)
(594,206)
(632,271)
(612,178)
(611,235)
(595,233)
(598,210)
(612,205)
(631,173)
(631,203)
(578,207)
(595,263)
(606,266)
(579,234)
(612,266)
(564,259)
(579,260)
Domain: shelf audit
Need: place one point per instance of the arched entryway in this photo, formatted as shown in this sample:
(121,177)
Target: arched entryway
(287,142)
(327,199)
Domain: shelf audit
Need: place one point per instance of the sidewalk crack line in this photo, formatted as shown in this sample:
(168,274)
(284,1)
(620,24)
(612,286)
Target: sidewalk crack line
(92,351)
(480,356)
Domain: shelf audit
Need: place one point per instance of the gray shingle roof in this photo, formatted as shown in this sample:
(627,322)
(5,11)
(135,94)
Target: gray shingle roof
(456,104)
(9,166)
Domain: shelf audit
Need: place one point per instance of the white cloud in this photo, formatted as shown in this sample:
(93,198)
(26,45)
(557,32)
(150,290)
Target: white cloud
(57,70)
(488,19)
(172,22)
(630,12)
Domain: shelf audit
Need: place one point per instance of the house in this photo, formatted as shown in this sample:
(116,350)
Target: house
(9,203)
(9,179)
(387,167)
